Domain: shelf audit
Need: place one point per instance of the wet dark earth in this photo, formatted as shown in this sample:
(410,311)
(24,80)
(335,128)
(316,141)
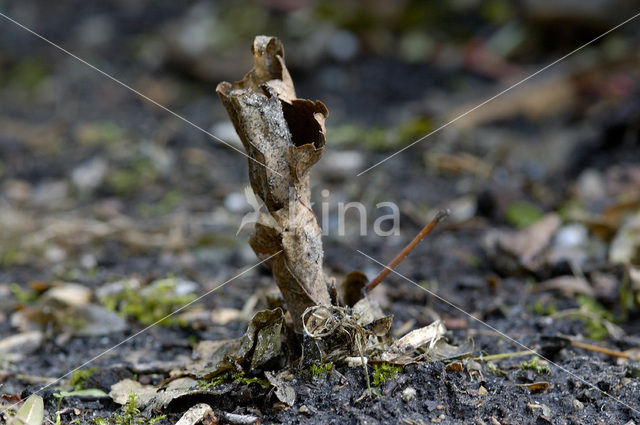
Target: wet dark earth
(101,189)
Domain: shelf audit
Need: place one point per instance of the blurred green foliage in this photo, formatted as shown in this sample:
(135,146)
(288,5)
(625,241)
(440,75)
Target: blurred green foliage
(79,378)
(151,304)
(544,309)
(26,74)
(136,173)
(522,213)
(535,365)
(129,415)
(25,296)
(596,317)
(169,201)
(380,138)
(100,133)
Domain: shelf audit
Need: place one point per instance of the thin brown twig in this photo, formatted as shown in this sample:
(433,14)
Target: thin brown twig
(598,349)
(442,214)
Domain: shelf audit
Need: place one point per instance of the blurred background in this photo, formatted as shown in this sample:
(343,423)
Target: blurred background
(97,184)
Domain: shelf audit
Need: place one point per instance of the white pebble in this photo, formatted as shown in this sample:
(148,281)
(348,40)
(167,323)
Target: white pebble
(409,394)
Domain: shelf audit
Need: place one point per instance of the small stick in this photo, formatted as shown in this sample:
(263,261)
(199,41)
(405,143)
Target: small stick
(598,349)
(407,249)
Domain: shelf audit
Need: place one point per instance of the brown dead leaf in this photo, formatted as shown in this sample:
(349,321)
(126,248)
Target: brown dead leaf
(536,387)
(283,136)
(285,392)
(454,367)
(525,246)
(568,285)
(260,345)
(545,97)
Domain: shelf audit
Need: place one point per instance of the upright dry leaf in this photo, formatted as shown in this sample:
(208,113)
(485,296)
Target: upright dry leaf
(283,136)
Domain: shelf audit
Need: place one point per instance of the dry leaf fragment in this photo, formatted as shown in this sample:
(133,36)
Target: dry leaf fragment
(525,246)
(401,351)
(536,387)
(454,367)
(15,347)
(260,345)
(568,285)
(546,97)
(625,247)
(195,414)
(284,391)
(69,294)
(120,392)
(262,340)
(31,412)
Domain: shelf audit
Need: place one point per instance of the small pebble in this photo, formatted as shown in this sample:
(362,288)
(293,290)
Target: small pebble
(227,132)
(89,175)
(571,235)
(88,261)
(355,361)
(236,202)
(409,394)
(591,185)
(305,410)
(577,404)
(343,45)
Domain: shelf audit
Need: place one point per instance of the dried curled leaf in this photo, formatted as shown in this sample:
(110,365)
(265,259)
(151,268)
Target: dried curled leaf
(402,350)
(283,137)
(361,334)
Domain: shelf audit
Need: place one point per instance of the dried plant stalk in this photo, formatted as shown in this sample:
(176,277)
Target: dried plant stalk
(284,136)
